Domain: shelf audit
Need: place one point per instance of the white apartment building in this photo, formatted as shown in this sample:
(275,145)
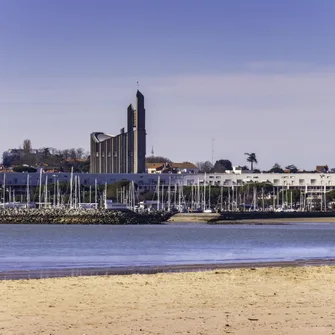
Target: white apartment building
(309,182)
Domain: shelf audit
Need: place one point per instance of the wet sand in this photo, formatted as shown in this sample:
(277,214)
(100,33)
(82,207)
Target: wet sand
(278,221)
(277,300)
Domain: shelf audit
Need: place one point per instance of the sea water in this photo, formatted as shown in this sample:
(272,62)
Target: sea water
(31,247)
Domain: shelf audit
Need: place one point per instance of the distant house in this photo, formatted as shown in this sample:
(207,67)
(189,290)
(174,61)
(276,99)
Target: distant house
(4,169)
(169,167)
(19,153)
(322,168)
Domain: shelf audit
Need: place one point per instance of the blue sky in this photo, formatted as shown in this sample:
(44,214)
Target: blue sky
(258,76)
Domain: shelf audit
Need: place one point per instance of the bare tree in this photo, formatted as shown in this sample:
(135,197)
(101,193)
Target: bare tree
(73,153)
(80,153)
(65,153)
(53,151)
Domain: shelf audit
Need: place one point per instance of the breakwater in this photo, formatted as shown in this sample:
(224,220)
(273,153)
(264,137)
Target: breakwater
(79,216)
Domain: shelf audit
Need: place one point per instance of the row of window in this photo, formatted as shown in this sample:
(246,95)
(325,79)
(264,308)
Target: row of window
(276,182)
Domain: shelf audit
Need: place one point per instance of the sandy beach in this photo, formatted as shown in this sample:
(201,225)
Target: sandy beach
(288,300)
(206,217)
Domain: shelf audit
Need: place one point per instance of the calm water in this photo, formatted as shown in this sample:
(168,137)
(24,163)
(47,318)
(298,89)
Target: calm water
(69,246)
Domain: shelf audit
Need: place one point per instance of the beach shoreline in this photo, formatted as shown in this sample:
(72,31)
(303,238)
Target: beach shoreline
(156,269)
(214,219)
(269,300)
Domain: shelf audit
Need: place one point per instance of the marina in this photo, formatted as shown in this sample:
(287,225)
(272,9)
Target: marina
(208,193)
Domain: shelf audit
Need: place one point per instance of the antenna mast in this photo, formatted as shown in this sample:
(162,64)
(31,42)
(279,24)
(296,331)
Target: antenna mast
(213,139)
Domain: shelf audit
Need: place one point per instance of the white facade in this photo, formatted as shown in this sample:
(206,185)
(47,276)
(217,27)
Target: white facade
(143,180)
(310,181)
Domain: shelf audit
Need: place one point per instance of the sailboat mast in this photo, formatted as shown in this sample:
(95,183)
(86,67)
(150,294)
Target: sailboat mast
(205,191)
(40,190)
(162,196)
(28,191)
(158,185)
(46,191)
(233,197)
(71,187)
(179,196)
(75,192)
(96,193)
(198,195)
(169,195)
(221,196)
(79,190)
(4,189)
(54,195)
(58,193)
(105,196)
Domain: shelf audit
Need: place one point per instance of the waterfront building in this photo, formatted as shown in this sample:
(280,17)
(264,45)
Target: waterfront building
(123,153)
(312,183)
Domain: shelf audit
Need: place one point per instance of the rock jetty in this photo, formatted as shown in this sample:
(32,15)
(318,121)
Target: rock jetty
(79,216)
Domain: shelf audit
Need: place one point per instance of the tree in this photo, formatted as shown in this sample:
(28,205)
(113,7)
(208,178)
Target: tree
(51,157)
(24,168)
(222,165)
(65,154)
(73,153)
(54,151)
(292,168)
(46,152)
(276,169)
(6,159)
(204,166)
(330,196)
(252,159)
(80,153)
(26,146)
(157,159)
